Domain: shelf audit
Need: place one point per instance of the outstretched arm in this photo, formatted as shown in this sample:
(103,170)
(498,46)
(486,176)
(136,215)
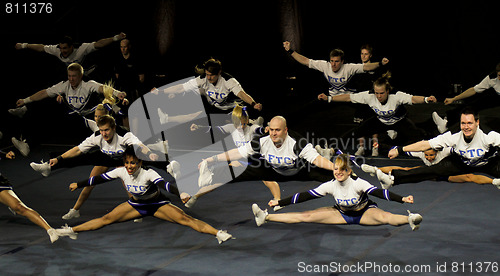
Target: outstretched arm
(298,57)
(101,43)
(418,146)
(74,152)
(466,94)
(38,96)
(374,65)
(422,99)
(34,47)
(249,100)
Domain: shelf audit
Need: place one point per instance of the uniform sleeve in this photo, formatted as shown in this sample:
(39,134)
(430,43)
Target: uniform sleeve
(165,185)
(192,85)
(93,86)
(320,65)
(354,68)
(404,98)
(87,48)
(87,144)
(250,148)
(56,89)
(493,138)
(442,141)
(385,194)
(318,192)
(130,139)
(309,153)
(486,83)
(103,178)
(361,97)
(52,50)
(234,86)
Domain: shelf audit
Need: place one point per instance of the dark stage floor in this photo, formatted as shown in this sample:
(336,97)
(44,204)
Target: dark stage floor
(458,232)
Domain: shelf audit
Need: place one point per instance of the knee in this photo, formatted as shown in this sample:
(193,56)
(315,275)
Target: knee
(20,209)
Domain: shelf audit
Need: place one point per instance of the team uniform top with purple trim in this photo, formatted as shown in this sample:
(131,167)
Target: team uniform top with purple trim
(114,149)
(143,184)
(77,98)
(440,155)
(284,160)
(339,79)
(491,81)
(474,153)
(77,56)
(218,94)
(350,195)
(389,113)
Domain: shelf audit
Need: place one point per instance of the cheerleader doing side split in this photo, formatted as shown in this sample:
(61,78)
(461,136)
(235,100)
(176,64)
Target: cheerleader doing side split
(352,203)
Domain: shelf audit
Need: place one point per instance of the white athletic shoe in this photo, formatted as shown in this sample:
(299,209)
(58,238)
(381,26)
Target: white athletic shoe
(277,208)
(374,152)
(71,214)
(414,220)
(440,122)
(260,215)
(161,146)
(43,168)
(372,170)
(205,177)
(22,146)
(326,153)
(496,182)
(360,151)
(163,117)
(386,180)
(392,134)
(223,235)
(67,231)
(19,112)
(191,202)
(138,220)
(174,169)
(259,121)
(53,235)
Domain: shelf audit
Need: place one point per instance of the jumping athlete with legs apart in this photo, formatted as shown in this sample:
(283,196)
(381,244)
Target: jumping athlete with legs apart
(16,206)
(352,203)
(473,151)
(147,200)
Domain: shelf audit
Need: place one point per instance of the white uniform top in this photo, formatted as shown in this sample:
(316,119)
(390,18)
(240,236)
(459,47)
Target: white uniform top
(76,98)
(77,56)
(488,83)
(114,149)
(142,184)
(240,136)
(474,153)
(350,195)
(339,79)
(387,113)
(440,155)
(217,95)
(282,159)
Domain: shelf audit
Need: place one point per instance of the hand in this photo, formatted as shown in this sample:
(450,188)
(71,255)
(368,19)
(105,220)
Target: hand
(385,61)
(10,155)
(286,45)
(121,95)
(153,156)
(119,36)
(53,162)
(20,103)
(73,186)
(59,99)
(125,102)
(431,99)
(19,46)
(185,197)
(194,127)
(258,106)
(393,153)
(323,97)
(273,202)
(408,199)
(155,91)
(448,101)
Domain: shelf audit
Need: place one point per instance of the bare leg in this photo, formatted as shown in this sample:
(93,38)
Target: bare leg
(172,213)
(474,178)
(274,187)
(85,193)
(376,216)
(121,213)
(9,198)
(207,189)
(325,215)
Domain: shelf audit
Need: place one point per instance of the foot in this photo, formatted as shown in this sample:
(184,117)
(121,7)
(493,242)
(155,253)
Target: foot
(386,181)
(374,152)
(277,208)
(67,231)
(205,177)
(163,117)
(72,213)
(496,182)
(392,134)
(414,220)
(22,146)
(43,168)
(191,202)
(440,122)
(19,112)
(174,169)
(325,152)
(260,215)
(223,236)
(138,220)
(372,170)
(53,235)
(360,151)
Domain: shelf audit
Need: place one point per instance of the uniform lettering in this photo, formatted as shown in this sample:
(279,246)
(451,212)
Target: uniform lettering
(75,99)
(471,153)
(336,80)
(280,159)
(348,202)
(216,95)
